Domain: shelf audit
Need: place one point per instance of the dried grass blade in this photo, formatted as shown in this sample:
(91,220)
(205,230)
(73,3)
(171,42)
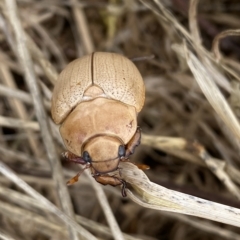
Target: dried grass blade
(205,79)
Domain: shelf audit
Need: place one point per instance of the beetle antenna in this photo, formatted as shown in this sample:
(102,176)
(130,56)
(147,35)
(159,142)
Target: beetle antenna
(75,178)
(143,58)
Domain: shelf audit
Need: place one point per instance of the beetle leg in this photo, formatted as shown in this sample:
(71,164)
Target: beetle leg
(73,158)
(113,181)
(139,165)
(133,143)
(75,178)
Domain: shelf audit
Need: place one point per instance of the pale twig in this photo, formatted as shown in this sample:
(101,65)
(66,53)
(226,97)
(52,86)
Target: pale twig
(151,195)
(30,78)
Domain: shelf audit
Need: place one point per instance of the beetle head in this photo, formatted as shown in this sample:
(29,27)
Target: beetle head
(104,153)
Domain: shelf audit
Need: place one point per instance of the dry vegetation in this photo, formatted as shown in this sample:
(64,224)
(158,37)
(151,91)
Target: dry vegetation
(192,97)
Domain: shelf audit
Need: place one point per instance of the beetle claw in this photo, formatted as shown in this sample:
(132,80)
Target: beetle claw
(124,194)
(72,180)
(133,143)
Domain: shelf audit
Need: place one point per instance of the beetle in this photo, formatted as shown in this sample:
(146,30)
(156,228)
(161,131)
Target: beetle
(96,101)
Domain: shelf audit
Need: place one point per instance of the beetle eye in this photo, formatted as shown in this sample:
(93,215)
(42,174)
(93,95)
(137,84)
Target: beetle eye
(86,157)
(121,151)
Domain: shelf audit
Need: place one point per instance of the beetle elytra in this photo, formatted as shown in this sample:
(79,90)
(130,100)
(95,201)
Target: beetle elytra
(96,101)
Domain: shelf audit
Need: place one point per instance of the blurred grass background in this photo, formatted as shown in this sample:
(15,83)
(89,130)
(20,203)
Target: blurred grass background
(175,106)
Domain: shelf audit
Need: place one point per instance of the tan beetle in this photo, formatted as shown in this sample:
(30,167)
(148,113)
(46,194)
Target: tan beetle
(96,100)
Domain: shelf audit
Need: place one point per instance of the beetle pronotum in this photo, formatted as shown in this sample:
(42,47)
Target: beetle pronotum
(96,101)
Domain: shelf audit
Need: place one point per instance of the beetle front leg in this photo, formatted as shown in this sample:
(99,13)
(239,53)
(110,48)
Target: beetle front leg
(73,158)
(133,143)
(75,178)
(113,181)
